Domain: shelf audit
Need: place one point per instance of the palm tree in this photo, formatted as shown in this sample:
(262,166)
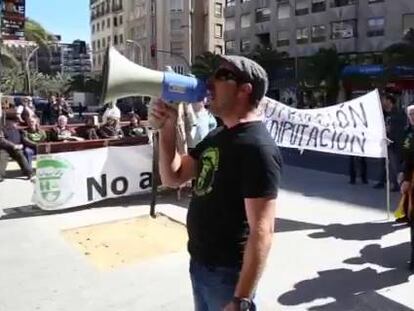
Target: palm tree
(33,32)
(324,69)
(401,53)
(205,65)
(267,57)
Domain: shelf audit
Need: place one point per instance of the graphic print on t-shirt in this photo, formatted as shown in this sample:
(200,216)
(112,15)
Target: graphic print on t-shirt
(208,164)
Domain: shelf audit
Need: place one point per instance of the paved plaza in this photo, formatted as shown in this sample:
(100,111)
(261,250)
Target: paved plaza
(334,249)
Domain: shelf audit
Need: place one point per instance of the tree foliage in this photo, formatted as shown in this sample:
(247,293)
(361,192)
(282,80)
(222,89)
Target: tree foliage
(324,70)
(401,53)
(267,57)
(205,65)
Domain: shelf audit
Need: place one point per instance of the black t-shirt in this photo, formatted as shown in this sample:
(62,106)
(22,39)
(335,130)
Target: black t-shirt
(233,164)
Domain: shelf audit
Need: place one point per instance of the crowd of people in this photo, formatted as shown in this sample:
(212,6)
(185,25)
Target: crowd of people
(24,127)
(21,130)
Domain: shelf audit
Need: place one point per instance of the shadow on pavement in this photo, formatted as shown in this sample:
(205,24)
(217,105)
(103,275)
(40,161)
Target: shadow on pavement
(286,225)
(164,197)
(358,232)
(334,187)
(344,284)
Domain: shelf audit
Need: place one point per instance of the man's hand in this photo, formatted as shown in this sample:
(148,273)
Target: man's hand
(161,113)
(18,147)
(405,187)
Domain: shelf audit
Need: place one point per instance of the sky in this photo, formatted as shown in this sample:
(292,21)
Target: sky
(68,18)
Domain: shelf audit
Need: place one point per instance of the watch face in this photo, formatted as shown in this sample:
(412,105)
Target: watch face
(244,305)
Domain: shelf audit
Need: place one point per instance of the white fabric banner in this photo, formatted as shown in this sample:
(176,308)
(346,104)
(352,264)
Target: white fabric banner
(70,179)
(354,128)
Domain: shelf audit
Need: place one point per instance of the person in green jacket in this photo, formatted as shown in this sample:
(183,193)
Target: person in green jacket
(32,136)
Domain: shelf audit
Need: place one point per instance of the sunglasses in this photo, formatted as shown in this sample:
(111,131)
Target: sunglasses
(224,74)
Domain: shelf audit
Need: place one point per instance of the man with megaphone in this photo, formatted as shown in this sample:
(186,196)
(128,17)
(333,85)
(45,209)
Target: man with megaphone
(236,168)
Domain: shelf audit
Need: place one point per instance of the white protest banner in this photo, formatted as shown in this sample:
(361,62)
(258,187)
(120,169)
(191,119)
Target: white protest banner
(71,179)
(354,128)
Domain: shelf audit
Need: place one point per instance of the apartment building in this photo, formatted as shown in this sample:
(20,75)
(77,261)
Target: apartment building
(70,58)
(161,33)
(107,29)
(301,27)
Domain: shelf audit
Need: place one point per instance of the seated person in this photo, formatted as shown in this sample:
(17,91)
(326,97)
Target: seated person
(61,132)
(135,129)
(11,145)
(90,130)
(32,136)
(111,129)
(26,110)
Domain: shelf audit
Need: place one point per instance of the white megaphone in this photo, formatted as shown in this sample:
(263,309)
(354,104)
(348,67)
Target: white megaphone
(123,78)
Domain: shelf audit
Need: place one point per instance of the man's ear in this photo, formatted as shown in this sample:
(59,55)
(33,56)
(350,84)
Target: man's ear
(247,88)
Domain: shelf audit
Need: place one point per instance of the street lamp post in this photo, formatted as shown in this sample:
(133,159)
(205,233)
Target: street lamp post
(27,67)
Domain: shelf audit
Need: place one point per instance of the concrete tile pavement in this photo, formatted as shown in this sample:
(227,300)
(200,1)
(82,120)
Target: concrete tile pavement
(333,250)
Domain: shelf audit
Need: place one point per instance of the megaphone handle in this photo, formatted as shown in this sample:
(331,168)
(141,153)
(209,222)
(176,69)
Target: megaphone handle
(154,174)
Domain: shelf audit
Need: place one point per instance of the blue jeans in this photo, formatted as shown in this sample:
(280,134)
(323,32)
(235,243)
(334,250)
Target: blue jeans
(29,153)
(213,287)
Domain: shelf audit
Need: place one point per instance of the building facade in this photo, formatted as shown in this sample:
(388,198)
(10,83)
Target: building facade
(107,29)
(161,33)
(70,58)
(302,27)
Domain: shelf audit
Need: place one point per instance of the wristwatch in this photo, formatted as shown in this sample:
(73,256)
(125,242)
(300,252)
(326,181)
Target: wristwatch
(244,304)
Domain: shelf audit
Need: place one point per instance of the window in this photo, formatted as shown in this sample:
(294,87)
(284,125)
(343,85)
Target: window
(318,6)
(408,22)
(230,46)
(121,39)
(218,49)
(245,20)
(103,25)
(99,60)
(302,7)
(93,28)
(115,39)
(244,45)
(318,33)
(338,3)
(176,5)
(283,38)
(98,44)
(262,15)
(175,24)
(94,61)
(283,11)
(109,40)
(218,9)
(302,35)
(375,27)
(115,21)
(344,29)
(121,20)
(375,1)
(98,27)
(103,42)
(108,23)
(93,46)
(230,23)
(230,3)
(218,30)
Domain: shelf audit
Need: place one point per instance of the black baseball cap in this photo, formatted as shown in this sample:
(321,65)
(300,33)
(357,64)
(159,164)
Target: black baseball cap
(251,72)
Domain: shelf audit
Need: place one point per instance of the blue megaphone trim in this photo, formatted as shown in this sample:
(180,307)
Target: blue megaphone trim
(179,88)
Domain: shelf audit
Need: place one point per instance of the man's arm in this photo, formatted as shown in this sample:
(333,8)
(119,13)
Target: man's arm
(174,169)
(260,216)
